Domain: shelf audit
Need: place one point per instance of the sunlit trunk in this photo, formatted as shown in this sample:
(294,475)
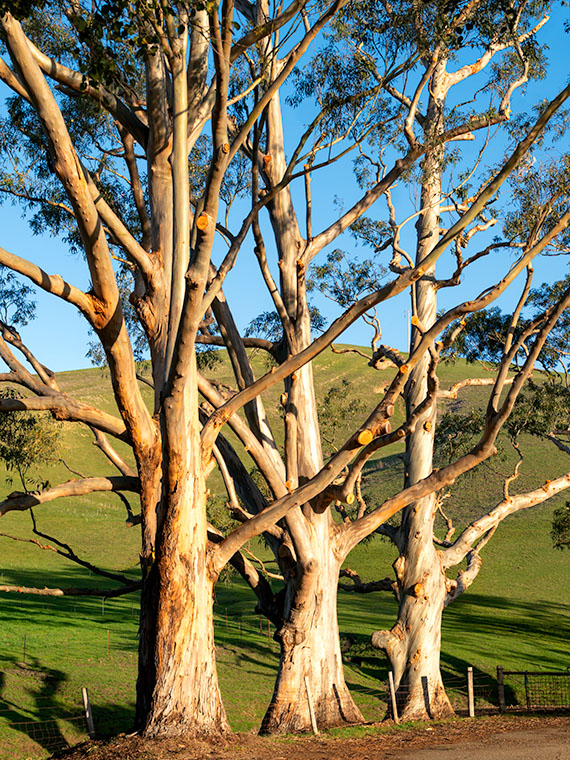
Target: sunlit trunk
(310,647)
(413,646)
(180,695)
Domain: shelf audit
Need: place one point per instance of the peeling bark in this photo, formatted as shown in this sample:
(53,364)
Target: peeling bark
(177,690)
(310,647)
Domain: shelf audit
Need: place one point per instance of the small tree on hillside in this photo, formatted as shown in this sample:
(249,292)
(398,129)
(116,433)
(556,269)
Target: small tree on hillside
(27,441)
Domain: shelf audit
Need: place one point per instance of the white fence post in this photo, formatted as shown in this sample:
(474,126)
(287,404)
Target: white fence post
(470,693)
(393,697)
(88,713)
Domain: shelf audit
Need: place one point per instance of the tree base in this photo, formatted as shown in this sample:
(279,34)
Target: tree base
(419,707)
(187,728)
(293,717)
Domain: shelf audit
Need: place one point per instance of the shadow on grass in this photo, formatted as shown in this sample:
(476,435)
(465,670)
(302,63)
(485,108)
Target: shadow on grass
(60,578)
(501,618)
(112,719)
(248,652)
(39,687)
(30,704)
(476,618)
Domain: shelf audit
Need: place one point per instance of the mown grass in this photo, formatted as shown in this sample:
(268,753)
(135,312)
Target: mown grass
(517,614)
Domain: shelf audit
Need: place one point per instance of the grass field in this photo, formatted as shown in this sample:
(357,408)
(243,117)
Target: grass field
(517,614)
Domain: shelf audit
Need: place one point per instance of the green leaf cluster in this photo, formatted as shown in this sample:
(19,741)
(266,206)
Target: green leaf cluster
(27,441)
(560,532)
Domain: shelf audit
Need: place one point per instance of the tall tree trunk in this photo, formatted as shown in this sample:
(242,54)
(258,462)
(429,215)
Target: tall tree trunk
(310,646)
(309,636)
(413,645)
(180,694)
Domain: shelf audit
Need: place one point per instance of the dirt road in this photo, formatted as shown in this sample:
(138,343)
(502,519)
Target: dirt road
(501,737)
(538,744)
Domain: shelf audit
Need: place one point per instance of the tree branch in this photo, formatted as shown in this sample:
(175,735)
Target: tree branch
(65,408)
(454,554)
(18,501)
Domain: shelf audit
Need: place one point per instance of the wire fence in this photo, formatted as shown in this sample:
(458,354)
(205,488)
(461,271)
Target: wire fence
(533,689)
(51,724)
(49,730)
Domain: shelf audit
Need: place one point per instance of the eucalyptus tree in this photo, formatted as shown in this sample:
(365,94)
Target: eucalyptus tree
(108,104)
(500,38)
(366,120)
(148,77)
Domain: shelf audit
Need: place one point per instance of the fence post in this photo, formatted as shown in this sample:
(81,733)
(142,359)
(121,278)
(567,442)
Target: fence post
(470,693)
(501,685)
(393,697)
(88,713)
(311,710)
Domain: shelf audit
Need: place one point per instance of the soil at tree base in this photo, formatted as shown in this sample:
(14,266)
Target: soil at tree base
(490,738)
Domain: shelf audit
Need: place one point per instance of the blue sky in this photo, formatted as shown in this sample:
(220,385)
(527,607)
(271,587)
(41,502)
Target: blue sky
(59,335)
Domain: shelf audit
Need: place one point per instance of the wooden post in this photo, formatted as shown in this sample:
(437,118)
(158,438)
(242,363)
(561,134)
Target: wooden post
(88,713)
(470,693)
(501,685)
(269,631)
(393,697)
(311,711)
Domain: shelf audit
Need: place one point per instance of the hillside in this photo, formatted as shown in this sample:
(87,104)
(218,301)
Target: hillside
(517,614)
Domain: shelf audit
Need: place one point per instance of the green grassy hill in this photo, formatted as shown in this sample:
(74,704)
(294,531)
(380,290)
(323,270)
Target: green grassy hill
(517,613)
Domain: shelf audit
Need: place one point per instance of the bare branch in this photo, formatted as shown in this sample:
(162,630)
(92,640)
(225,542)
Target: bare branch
(72,591)
(51,283)
(18,501)
(469,382)
(477,529)
(358,587)
(102,443)
(63,407)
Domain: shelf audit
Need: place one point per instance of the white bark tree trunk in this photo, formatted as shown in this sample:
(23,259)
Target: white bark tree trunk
(309,636)
(413,645)
(310,647)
